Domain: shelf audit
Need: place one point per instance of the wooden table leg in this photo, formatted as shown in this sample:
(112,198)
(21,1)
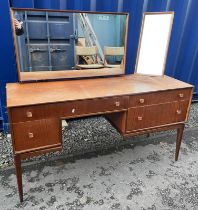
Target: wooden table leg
(178,141)
(17,161)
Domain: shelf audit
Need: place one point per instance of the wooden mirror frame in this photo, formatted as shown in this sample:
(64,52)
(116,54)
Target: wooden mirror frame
(167,44)
(66,74)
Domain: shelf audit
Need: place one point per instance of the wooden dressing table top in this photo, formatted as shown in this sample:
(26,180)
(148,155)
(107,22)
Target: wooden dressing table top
(23,94)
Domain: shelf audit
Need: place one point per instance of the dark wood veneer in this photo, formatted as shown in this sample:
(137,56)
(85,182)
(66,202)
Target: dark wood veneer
(160,97)
(156,115)
(36,134)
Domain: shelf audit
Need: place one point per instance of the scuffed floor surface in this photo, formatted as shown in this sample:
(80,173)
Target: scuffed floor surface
(136,177)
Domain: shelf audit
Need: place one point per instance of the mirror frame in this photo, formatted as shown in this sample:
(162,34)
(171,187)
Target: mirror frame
(66,74)
(167,45)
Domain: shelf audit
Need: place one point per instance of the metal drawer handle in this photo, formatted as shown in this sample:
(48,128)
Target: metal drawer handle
(73,110)
(139,118)
(31,135)
(29,114)
(179,111)
(181,95)
(117,103)
(141,100)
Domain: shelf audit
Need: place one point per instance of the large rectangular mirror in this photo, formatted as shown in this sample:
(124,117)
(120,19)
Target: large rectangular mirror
(154,42)
(68,44)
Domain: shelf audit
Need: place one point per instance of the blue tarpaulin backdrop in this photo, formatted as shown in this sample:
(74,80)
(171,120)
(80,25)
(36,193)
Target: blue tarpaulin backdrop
(182,60)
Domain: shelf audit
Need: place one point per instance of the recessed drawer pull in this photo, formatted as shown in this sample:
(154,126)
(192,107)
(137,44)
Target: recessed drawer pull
(141,100)
(139,118)
(179,111)
(29,114)
(73,110)
(31,135)
(181,95)
(117,103)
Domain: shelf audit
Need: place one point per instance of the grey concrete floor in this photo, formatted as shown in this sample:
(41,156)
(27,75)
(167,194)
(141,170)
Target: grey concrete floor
(139,173)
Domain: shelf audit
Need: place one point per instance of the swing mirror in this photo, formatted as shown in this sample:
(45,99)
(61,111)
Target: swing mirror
(55,44)
(153,43)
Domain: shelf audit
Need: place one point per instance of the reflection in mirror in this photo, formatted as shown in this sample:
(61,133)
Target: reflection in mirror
(153,44)
(53,41)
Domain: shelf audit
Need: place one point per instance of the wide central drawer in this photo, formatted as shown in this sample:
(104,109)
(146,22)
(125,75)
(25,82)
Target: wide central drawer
(106,104)
(156,115)
(37,134)
(159,97)
(68,109)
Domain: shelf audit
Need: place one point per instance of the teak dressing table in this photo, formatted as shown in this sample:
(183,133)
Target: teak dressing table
(134,104)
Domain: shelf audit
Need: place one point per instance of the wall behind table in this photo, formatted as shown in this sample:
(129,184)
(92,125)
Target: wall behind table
(182,60)
(7,60)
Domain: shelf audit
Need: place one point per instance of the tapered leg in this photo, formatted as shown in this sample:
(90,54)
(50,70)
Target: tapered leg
(17,161)
(178,141)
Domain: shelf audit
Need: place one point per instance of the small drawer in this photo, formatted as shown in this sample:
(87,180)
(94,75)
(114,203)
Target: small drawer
(53,110)
(101,105)
(156,115)
(35,135)
(28,113)
(66,109)
(159,97)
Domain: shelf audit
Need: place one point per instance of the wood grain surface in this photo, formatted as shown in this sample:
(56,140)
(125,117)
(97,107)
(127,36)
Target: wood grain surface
(23,94)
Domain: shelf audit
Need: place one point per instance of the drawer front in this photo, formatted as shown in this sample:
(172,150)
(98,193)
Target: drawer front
(66,109)
(55,110)
(159,97)
(156,115)
(28,113)
(106,104)
(36,134)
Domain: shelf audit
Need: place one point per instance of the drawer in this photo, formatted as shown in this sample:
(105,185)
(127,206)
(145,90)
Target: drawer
(66,109)
(156,115)
(55,110)
(106,104)
(37,134)
(28,113)
(159,97)
(89,106)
